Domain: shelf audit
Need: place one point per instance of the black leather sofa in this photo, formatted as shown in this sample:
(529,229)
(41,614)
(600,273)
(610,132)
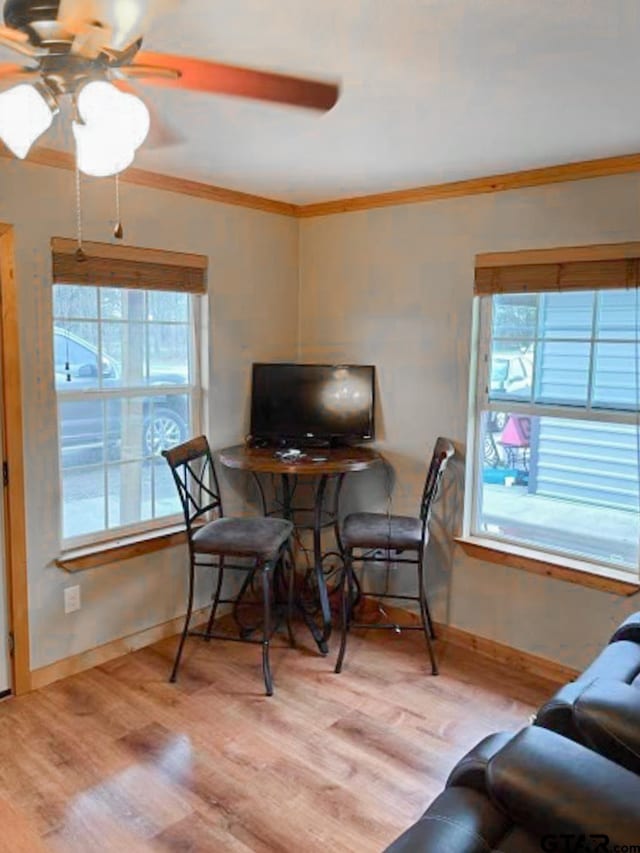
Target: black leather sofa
(570,782)
(534,791)
(601,708)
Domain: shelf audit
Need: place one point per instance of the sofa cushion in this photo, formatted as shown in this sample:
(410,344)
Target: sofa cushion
(549,784)
(607,714)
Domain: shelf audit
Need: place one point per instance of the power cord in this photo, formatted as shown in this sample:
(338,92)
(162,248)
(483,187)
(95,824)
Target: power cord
(389,488)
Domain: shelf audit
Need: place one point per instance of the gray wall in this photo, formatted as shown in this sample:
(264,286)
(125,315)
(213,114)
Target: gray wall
(393,287)
(252,315)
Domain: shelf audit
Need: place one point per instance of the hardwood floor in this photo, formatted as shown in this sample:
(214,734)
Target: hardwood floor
(117,759)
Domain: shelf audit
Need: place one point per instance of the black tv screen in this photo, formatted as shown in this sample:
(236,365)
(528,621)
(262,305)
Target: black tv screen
(312,401)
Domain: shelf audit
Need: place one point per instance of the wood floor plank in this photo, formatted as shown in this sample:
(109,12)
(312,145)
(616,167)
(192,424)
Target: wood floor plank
(17,836)
(197,834)
(118,759)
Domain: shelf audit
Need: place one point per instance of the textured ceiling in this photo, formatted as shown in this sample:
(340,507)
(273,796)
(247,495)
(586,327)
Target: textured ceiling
(431,91)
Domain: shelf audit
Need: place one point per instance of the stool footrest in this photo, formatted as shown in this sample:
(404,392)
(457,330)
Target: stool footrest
(230,637)
(392,625)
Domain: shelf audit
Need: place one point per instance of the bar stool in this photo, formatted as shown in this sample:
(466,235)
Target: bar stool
(371,532)
(266,541)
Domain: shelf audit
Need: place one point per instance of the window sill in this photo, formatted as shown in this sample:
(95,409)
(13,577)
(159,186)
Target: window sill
(124,548)
(571,571)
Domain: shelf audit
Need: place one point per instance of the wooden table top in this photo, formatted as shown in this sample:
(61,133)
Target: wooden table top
(316,461)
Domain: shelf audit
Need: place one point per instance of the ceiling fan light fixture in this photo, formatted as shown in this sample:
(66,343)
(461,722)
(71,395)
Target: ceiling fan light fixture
(80,45)
(26,112)
(112,126)
(101,155)
(102,104)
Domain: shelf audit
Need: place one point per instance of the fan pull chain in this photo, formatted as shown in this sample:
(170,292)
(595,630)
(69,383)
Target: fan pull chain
(118,231)
(80,255)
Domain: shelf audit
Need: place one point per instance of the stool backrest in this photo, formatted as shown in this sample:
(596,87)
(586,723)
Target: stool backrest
(195,478)
(442,453)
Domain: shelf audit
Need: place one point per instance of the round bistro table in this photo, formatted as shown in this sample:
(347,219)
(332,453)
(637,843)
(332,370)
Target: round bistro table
(321,465)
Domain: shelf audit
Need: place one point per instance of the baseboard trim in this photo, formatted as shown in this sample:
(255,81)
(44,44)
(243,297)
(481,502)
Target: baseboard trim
(492,649)
(499,652)
(110,651)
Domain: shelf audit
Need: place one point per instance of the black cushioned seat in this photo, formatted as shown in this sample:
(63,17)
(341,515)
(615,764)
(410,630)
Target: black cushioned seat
(509,794)
(373,530)
(243,537)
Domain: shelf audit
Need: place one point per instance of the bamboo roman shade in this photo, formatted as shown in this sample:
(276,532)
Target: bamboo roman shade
(107,265)
(573,268)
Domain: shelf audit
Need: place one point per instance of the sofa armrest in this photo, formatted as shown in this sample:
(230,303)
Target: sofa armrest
(459,820)
(619,661)
(607,713)
(551,785)
(557,713)
(628,630)
(471,770)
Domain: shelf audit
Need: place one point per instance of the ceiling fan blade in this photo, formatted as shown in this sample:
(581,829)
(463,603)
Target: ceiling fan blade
(122,21)
(200,75)
(19,43)
(12,75)
(162,134)
(15,36)
(146,72)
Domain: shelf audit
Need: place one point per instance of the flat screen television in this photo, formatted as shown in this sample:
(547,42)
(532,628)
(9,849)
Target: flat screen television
(307,403)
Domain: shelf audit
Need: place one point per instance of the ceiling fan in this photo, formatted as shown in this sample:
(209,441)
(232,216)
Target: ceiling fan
(91,50)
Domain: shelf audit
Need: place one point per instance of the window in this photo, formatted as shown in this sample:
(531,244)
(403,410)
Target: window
(556,423)
(128,386)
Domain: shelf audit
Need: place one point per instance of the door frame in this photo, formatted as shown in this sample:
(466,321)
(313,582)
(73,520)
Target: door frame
(15,544)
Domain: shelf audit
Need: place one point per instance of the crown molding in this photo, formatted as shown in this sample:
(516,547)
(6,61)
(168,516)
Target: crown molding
(476,186)
(580,171)
(42,156)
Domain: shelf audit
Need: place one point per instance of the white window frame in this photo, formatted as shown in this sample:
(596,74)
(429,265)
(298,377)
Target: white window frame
(479,393)
(194,390)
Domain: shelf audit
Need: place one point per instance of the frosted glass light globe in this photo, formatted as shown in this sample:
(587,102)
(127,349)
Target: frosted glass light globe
(114,125)
(101,155)
(100,103)
(134,117)
(24,116)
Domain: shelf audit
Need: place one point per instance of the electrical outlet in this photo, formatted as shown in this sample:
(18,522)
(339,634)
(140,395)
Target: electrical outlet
(71,599)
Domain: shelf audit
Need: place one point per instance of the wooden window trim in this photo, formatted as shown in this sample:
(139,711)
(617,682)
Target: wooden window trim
(14,493)
(122,548)
(106,265)
(595,267)
(569,570)
(559,255)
